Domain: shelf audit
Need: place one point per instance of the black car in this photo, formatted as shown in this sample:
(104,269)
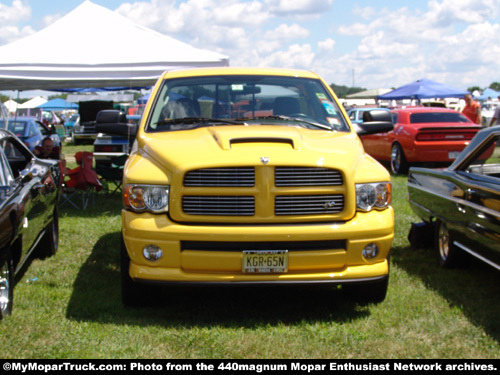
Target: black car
(29,193)
(461,203)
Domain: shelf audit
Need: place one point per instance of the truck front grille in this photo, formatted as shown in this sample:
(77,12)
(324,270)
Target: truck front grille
(221,177)
(308,204)
(219,205)
(306,176)
(247,191)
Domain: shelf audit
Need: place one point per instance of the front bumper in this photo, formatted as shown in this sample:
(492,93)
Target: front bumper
(183,262)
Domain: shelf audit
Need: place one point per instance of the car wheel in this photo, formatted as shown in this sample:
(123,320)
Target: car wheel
(447,253)
(50,242)
(399,165)
(6,284)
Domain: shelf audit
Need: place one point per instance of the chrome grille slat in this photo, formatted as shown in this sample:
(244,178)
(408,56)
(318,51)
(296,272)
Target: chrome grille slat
(219,205)
(307,176)
(308,204)
(221,177)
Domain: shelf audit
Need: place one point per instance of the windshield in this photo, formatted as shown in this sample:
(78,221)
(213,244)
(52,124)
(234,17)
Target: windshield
(188,103)
(18,128)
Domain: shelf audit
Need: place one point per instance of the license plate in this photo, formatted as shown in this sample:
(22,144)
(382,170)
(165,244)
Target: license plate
(453,155)
(265,261)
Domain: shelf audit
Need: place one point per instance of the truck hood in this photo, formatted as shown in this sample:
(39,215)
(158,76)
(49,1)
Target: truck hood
(251,145)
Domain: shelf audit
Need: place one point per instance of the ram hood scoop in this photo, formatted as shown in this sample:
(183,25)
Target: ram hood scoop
(243,145)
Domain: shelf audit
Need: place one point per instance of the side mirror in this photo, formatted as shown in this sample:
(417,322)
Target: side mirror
(114,122)
(375,121)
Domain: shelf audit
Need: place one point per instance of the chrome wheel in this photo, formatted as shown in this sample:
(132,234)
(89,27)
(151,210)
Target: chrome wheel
(443,239)
(398,161)
(448,255)
(6,286)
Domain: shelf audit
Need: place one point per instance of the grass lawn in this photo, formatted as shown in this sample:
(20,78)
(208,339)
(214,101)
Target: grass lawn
(69,306)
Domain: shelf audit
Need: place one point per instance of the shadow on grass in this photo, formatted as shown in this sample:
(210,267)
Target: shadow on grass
(473,288)
(98,204)
(96,297)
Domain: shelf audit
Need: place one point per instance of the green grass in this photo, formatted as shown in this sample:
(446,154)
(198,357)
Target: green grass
(68,306)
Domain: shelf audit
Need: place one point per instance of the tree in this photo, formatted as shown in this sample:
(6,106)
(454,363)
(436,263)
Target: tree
(474,88)
(343,91)
(495,86)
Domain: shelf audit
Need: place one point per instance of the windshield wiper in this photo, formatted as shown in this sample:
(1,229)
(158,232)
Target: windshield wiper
(197,120)
(294,119)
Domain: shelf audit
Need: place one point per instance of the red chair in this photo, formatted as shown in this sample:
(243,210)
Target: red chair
(83,180)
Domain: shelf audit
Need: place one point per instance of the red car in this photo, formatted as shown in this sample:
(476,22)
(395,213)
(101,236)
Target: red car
(421,135)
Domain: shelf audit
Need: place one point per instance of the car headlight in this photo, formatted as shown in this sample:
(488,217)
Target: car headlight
(373,195)
(153,198)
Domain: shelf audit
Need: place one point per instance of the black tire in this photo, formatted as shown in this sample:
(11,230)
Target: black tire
(399,165)
(448,255)
(131,291)
(50,242)
(6,284)
(367,293)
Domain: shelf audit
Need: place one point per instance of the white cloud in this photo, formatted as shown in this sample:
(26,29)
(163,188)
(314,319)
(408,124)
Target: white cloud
(468,11)
(16,12)
(287,32)
(296,56)
(299,7)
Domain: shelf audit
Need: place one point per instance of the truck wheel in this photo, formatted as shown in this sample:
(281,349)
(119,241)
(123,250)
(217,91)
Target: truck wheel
(373,292)
(399,165)
(448,255)
(133,294)
(6,284)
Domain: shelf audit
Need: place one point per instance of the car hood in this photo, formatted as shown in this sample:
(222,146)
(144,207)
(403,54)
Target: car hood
(220,146)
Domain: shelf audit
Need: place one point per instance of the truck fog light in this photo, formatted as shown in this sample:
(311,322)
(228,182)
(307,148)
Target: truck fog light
(370,251)
(152,252)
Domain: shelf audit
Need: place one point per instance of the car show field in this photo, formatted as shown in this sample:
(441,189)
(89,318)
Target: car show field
(438,314)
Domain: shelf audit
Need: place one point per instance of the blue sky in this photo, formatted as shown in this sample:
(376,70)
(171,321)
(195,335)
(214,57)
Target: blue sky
(373,44)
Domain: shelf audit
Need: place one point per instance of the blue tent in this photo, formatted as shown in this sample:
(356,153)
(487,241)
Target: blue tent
(144,99)
(488,94)
(57,104)
(423,89)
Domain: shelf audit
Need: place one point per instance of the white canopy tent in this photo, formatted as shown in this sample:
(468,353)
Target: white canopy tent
(105,50)
(11,105)
(33,103)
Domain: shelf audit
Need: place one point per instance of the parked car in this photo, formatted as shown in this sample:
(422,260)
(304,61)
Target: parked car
(29,193)
(286,198)
(74,120)
(460,205)
(108,147)
(32,132)
(356,114)
(421,135)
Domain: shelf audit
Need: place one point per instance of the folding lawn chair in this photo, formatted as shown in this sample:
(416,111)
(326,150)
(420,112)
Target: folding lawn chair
(112,174)
(83,182)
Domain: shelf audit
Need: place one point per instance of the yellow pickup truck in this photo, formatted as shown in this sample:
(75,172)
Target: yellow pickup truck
(251,176)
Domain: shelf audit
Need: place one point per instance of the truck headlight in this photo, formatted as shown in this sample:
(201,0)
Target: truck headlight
(372,195)
(153,198)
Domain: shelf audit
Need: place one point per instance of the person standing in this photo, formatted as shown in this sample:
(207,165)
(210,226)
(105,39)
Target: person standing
(495,120)
(472,110)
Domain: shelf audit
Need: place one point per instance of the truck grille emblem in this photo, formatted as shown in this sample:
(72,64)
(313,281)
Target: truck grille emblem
(329,204)
(264,159)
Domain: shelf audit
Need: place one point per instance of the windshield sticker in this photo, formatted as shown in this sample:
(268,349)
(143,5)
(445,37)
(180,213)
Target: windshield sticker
(237,87)
(321,95)
(329,108)
(333,120)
